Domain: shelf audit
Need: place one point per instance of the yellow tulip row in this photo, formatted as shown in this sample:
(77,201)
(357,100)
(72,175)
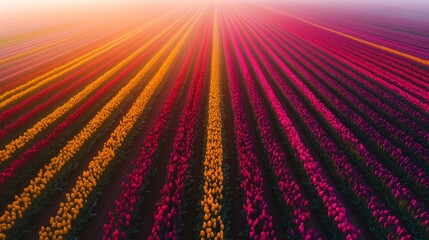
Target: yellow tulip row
(22,90)
(45,122)
(212,227)
(60,225)
(23,201)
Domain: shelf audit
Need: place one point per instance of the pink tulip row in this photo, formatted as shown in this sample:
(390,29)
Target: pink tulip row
(405,70)
(415,208)
(289,188)
(353,75)
(400,40)
(11,171)
(326,192)
(342,165)
(405,90)
(168,213)
(255,206)
(404,162)
(375,99)
(119,223)
(385,73)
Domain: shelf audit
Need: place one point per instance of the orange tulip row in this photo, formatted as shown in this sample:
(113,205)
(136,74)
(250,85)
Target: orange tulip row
(33,191)
(45,122)
(30,86)
(212,227)
(76,199)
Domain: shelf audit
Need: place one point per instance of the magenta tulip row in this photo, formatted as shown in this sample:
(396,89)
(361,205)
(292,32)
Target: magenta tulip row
(255,206)
(119,223)
(336,211)
(342,165)
(414,207)
(374,99)
(168,213)
(419,176)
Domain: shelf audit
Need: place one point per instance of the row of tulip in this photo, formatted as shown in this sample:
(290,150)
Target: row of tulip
(19,69)
(391,184)
(45,122)
(403,69)
(120,219)
(255,207)
(400,104)
(336,211)
(382,70)
(12,170)
(361,79)
(169,207)
(380,130)
(388,114)
(95,67)
(289,188)
(34,53)
(406,41)
(30,86)
(405,164)
(396,116)
(371,71)
(23,201)
(418,211)
(74,36)
(23,72)
(77,198)
(213,174)
(342,167)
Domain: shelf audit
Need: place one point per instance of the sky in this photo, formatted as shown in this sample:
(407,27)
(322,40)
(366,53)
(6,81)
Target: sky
(13,5)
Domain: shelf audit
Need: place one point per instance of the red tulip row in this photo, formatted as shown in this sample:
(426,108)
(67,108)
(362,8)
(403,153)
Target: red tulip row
(391,183)
(11,171)
(379,91)
(372,72)
(168,213)
(396,115)
(255,206)
(357,184)
(404,163)
(404,40)
(119,223)
(336,211)
(386,75)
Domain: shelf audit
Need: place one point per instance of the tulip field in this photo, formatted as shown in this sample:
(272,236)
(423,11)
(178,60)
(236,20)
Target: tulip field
(216,121)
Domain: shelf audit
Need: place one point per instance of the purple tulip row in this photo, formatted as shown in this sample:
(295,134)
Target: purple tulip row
(289,188)
(391,183)
(119,223)
(406,71)
(401,40)
(168,213)
(386,75)
(357,184)
(424,133)
(419,176)
(405,90)
(325,191)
